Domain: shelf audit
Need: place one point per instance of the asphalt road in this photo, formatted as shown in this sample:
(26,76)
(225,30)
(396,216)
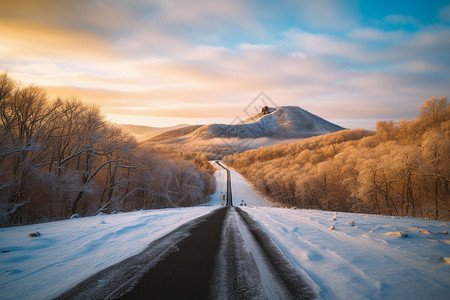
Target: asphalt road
(250,266)
(223,255)
(229,193)
(187,273)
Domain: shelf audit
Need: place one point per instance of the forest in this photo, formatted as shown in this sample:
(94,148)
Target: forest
(59,158)
(401,169)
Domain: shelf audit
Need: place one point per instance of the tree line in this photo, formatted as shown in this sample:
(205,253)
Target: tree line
(60,158)
(403,168)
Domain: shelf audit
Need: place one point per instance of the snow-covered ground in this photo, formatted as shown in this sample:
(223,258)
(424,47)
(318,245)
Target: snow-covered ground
(354,261)
(71,250)
(221,186)
(357,260)
(243,193)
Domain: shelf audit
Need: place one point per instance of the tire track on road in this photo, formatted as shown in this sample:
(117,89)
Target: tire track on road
(223,255)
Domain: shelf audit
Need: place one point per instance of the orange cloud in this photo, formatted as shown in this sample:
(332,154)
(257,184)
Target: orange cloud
(168,103)
(218,110)
(151,103)
(22,40)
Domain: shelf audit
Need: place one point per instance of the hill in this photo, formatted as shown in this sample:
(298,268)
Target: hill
(284,122)
(172,135)
(142,133)
(270,127)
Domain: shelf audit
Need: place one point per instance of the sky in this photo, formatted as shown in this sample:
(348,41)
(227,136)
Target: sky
(161,63)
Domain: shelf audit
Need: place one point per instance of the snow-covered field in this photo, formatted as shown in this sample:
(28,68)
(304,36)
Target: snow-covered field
(71,250)
(354,261)
(357,260)
(221,186)
(243,193)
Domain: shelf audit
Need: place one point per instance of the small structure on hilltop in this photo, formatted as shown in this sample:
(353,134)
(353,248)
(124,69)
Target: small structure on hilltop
(265,110)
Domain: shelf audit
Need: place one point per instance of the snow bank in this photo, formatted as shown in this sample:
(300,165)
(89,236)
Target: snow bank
(242,190)
(71,250)
(243,193)
(221,186)
(357,260)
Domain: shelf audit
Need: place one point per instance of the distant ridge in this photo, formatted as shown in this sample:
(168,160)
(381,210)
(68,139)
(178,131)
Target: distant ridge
(142,133)
(173,134)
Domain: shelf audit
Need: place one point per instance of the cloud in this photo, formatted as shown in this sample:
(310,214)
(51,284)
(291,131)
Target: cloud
(201,13)
(424,51)
(199,112)
(322,44)
(204,60)
(83,15)
(22,40)
(429,46)
(444,14)
(214,77)
(401,20)
(419,66)
(39,69)
(327,14)
(373,34)
(151,103)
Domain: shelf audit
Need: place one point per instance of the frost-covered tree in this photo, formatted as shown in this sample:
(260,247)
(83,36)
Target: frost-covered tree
(61,157)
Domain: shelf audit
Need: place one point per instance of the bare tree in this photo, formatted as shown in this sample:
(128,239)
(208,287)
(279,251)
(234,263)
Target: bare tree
(60,157)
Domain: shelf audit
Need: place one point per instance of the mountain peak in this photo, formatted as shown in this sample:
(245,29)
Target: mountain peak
(282,122)
(266,110)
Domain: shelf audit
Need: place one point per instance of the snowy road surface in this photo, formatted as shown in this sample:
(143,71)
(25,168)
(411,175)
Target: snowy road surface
(238,261)
(250,266)
(174,267)
(71,250)
(223,255)
(354,261)
(243,192)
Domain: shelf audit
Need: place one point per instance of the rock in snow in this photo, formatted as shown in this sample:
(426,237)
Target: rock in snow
(397,233)
(420,230)
(34,234)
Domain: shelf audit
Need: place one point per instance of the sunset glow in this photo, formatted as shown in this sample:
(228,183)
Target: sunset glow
(161,63)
